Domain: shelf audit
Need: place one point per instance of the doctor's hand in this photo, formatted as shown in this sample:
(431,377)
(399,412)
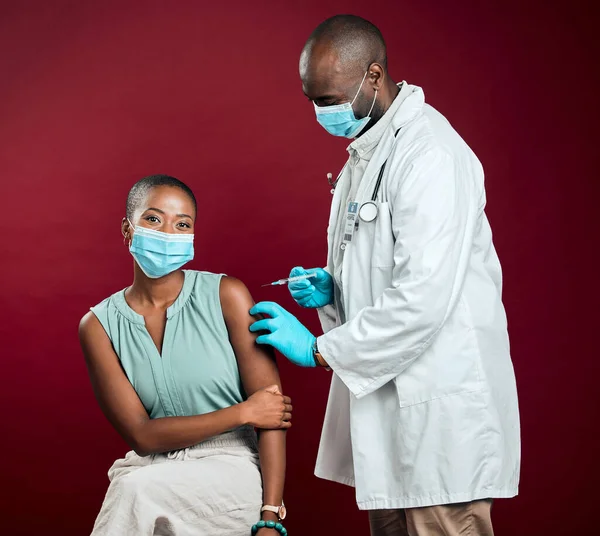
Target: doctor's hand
(314,292)
(286,333)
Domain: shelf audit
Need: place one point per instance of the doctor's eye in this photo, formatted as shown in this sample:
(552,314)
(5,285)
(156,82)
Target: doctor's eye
(184,225)
(152,219)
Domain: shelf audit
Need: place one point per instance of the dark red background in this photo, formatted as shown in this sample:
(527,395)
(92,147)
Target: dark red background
(94,95)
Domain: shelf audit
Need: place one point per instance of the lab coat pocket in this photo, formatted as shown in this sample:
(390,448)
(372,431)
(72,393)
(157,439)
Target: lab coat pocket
(450,366)
(382,254)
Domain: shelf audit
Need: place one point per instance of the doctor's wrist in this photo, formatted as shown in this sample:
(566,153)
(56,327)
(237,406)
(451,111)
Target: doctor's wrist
(319,359)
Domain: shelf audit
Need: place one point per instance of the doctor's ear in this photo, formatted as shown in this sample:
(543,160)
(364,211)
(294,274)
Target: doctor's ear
(376,76)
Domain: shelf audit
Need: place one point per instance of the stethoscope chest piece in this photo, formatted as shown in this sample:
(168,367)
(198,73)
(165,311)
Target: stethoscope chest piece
(368,211)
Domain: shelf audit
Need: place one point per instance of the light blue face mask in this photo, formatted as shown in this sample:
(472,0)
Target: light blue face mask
(158,253)
(340,120)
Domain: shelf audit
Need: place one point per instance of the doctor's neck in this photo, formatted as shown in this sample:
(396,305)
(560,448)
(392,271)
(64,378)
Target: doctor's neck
(385,97)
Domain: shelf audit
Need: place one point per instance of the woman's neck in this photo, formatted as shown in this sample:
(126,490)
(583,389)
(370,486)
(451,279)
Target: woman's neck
(156,293)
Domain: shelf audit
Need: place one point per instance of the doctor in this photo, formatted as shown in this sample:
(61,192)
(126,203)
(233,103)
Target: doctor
(422,415)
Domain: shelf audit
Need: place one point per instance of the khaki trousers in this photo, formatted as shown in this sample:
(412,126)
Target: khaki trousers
(463,519)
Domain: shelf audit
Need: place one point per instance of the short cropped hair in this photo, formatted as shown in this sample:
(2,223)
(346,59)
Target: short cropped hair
(141,188)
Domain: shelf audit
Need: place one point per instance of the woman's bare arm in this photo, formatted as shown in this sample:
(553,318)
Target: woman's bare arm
(122,407)
(257,368)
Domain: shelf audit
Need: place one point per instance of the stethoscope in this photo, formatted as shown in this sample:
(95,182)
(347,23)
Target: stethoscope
(368,210)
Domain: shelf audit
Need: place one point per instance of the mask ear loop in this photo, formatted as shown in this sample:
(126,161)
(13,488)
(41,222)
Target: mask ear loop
(372,105)
(126,236)
(360,87)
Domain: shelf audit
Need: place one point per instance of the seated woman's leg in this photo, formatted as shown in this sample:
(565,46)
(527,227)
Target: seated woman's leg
(210,489)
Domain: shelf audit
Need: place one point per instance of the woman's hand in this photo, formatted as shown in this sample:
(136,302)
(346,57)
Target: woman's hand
(267,408)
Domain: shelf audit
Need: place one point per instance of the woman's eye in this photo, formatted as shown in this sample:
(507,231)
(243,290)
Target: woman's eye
(184,225)
(152,219)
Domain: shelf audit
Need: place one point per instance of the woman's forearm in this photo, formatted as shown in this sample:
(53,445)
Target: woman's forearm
(271,450)
(172,433)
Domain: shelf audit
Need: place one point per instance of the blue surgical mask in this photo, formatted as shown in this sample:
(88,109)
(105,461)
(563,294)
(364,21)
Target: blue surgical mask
(340,120)
(158,253)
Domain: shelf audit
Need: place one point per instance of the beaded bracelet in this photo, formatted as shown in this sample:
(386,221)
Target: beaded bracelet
(270,525)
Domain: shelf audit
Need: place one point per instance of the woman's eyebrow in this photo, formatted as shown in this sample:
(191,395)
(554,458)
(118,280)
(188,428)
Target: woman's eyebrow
(163,212)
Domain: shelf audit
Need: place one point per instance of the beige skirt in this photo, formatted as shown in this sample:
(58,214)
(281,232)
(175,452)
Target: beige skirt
(213,488)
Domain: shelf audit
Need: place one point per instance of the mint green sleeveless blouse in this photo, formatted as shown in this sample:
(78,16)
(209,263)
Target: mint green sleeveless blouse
(197,372)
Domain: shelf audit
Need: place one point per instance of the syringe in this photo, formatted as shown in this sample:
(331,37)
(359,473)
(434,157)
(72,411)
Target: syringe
(290,280)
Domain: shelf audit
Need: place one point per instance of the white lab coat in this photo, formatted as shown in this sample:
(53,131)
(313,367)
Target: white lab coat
(423,403)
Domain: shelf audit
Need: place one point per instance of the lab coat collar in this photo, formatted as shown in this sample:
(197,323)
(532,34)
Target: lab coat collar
(365,145)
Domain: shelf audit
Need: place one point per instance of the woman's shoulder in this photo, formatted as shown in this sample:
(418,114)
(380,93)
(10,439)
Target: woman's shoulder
(231,291)
(100,313)
(96,316)
(95,325)
(203,276)
(235,298)
(202,281)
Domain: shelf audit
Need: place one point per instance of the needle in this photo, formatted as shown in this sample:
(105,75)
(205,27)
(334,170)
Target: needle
(289,280)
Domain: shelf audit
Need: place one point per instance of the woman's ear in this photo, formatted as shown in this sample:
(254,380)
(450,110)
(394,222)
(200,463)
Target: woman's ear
(126,231)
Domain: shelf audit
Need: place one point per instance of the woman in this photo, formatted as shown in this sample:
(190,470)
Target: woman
(177,372)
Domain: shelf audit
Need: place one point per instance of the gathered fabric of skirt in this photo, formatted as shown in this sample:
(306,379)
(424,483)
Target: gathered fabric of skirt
(213,488)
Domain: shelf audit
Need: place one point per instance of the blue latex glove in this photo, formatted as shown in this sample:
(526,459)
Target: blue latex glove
(314,292)
(286,333)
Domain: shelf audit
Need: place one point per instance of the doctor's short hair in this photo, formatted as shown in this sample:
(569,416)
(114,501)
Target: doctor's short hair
(355,39)
(141,188)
